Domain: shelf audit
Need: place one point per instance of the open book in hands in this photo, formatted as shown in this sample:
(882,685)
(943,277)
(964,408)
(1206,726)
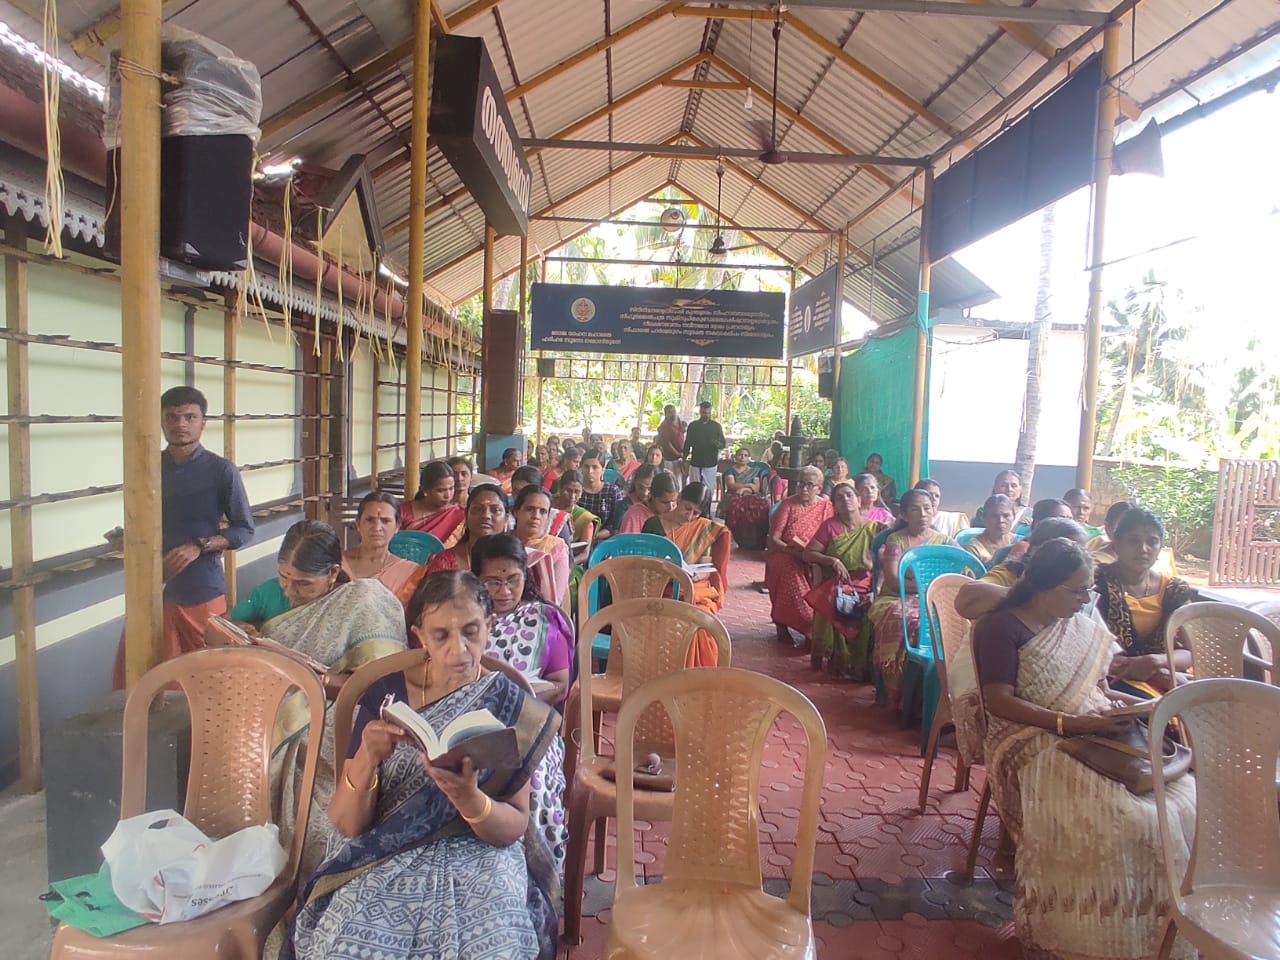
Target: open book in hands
(477,734)
(221,632)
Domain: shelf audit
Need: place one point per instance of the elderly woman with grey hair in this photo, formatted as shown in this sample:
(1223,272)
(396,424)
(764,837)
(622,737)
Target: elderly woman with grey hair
(787,576)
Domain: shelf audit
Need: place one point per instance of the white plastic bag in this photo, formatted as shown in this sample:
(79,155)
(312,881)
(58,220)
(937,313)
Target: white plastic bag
(165,869)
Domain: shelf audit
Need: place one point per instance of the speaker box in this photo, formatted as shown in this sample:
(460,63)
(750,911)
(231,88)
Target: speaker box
(826,385)
(546,367)
(205,188)
(501,386)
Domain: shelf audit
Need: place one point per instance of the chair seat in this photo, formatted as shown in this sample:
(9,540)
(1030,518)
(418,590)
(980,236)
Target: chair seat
(701,921)
(650,804)
(234,932)
(1243,918)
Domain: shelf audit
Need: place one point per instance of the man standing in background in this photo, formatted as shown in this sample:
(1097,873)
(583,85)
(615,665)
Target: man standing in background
(197,489)
(703,443)
(670,440)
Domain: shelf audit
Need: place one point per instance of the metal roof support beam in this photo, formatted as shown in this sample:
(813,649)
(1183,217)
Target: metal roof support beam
(772,249)
(945,8)
(686,151)
(569,239)
(567,198)
(707,85)
(728,225)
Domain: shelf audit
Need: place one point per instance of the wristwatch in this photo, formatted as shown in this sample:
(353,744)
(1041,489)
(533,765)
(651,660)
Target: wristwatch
(204,543)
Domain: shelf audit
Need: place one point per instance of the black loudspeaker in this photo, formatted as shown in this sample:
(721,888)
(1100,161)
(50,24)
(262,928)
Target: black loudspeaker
(546,367)
(826,385)
(501,386)
(205,188)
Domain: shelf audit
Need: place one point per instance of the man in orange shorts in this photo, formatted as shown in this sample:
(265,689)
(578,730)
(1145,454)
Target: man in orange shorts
(198,489)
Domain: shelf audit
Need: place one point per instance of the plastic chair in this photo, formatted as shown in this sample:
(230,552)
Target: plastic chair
(233,694)
(344,707)
(1271,610)
(628,578)
(1218,636)
(950,635)
(414,545)
(710,903)
(611,475)
(654,637)
(1227,903)
(636,545)
(924,564)
(964,536)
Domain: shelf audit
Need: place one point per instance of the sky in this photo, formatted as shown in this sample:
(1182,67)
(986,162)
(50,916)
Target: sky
(1221,186)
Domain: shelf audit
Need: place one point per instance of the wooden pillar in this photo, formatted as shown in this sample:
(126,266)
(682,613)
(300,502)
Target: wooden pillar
(417,244)
(1103,146)
(373,429)
(229,333)
(24,598)
(837,324)
(524,281)
(922,337)
(140,329)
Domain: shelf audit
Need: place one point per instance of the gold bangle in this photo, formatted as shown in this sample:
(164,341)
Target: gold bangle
(354,789)
(1061,717)
(484,814)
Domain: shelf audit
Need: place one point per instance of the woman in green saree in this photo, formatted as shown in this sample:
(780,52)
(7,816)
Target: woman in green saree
(842,545)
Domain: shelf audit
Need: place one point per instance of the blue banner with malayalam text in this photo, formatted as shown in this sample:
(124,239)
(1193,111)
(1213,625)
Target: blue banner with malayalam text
(813,314)
(589,318)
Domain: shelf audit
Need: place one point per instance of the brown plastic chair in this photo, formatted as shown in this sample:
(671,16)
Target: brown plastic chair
(950,643)
(629,578)
(1218,636)
(233,694)
(654,636)
(1227,904)
(710,903)
(344,707)
(1271,610)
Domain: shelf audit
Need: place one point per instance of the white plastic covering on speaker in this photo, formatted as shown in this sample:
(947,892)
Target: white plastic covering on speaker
(215,92)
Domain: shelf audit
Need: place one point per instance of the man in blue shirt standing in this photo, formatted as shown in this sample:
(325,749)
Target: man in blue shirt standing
(197,490)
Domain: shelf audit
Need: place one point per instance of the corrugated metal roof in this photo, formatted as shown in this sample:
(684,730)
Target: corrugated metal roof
(956,68)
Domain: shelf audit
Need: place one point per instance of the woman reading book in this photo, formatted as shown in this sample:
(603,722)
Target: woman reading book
(437,863)
(700,541)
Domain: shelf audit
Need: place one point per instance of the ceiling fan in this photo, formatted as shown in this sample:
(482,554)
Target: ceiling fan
(717,249)
(771,154)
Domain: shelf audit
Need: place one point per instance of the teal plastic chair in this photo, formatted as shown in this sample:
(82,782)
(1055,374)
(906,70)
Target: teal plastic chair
(415,545)
(624,545)
(611,475)
(964,536)
(920,672)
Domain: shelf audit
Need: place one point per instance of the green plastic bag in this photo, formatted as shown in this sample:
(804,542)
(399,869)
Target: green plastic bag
(89,904)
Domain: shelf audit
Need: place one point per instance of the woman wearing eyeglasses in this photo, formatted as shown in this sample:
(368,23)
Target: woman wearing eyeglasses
(534,637)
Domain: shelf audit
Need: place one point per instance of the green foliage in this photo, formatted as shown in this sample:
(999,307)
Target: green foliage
(1184,498)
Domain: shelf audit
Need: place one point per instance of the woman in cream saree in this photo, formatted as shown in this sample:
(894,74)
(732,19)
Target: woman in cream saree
(1090,881)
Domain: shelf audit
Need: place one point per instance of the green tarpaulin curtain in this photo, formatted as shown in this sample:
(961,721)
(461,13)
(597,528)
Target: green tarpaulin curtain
(873,411)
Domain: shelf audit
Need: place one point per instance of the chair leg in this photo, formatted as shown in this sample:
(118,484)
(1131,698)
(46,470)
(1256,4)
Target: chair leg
(930,754)
(575,864)
(972,859)
(602,837)
(962,775)
(1168,934)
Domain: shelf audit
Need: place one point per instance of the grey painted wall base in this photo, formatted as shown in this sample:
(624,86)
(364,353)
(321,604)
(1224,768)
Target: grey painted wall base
(82,774)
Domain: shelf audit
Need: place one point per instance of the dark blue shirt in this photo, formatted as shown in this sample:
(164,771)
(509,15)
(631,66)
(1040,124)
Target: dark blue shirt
(195,495)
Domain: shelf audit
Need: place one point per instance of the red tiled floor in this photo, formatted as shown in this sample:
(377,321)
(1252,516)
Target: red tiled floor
(871,835)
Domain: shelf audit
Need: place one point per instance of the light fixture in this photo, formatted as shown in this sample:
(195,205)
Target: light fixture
(672,219)
(748,103)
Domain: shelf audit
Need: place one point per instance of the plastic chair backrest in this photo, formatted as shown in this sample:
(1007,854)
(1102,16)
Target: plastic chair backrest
(610,475)
(232,694)
(1235,740)
(632,578)
(964,536)
(636,545)
(1218,636)
(722,720)
(876,546)
(1271,610)
(925,564)
(344,707)
(654,637)
(414,545)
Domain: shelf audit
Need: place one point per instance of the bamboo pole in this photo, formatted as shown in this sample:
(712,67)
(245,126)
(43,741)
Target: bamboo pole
(922,337)
(373,431)
(837,323)
(1103,146)
(26,678)
(417,246)
(230,330)
(140,329)
(786,410)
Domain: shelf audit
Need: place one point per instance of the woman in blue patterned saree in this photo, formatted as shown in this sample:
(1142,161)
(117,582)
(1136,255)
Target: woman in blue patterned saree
(436,864)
